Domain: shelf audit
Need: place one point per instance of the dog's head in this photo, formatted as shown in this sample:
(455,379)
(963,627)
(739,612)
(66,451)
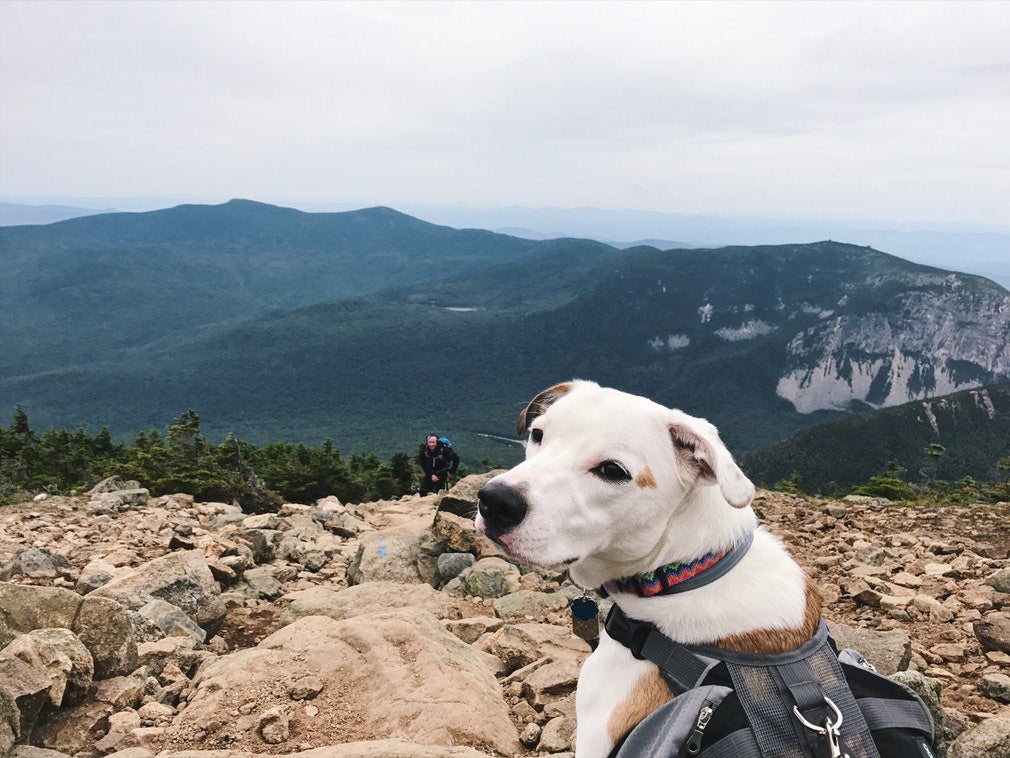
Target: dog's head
(614,484)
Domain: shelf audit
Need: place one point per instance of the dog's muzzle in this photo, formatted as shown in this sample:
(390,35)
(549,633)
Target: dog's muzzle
(502,507)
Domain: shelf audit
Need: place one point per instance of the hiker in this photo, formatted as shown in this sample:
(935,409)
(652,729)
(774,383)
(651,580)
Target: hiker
(438,462)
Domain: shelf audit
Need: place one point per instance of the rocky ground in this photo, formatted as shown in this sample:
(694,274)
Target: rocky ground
(136,627)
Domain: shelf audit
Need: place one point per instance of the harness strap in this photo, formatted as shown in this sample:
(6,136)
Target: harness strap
(681,668)
(889,713)
(733,745)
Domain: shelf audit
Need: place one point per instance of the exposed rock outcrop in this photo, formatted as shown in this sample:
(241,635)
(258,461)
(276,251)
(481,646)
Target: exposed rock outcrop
(173,628)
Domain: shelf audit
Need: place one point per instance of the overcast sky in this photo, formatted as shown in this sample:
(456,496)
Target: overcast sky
(840,110)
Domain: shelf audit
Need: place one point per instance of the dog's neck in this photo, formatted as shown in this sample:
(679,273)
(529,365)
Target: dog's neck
(766,604)
(681,576)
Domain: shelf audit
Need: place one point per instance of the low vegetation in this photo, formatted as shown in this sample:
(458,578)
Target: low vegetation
(183,460)
(893,483)
(261,478)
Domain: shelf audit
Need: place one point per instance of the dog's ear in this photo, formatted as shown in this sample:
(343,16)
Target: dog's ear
(539,404)
(697,445)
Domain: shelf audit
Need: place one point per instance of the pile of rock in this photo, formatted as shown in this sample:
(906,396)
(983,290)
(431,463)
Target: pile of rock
(136,627)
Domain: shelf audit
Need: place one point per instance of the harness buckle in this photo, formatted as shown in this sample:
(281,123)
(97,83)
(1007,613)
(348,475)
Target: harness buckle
(831,729)
(629,632)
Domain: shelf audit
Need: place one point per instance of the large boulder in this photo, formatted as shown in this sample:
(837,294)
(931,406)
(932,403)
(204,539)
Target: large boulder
(461,499)
(394,556)
(182,578)
(398,674)
(34,563)
(102,624)
(373,597)
(60,656)
(991,737)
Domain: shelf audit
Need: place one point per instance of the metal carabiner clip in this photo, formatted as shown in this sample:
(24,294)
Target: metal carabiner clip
(831,729)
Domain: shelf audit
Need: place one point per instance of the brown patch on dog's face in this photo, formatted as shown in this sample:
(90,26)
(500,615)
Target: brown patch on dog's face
(649,694)
(646,479)
(538,405)
(771,641)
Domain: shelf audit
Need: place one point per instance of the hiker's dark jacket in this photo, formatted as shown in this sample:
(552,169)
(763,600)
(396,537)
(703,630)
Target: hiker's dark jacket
(443,460)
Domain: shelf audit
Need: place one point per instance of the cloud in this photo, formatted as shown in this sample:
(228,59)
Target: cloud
(844,109)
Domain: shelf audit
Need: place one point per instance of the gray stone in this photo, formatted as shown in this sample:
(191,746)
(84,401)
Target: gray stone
(993,632)
(530,735)
(259,541)
(95,574)
(996,686)
(35,563)
(455,534)
(514,647)
(999,580)
(461,499)
(529,604)
(928,690)
(273,726)
(118,501)
(392,558)
(888,651)
(30,751)
(112,484)
(263,583)
(451,564)
(558,734)
(181,578)
(490,578)
(73,730)
(105,629)
(121,692)
(171,620)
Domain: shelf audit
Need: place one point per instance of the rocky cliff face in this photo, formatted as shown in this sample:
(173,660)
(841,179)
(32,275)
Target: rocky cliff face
(138,628)
(933,339)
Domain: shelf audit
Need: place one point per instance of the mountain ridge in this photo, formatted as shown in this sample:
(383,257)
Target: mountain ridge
(382,324)
(972,427)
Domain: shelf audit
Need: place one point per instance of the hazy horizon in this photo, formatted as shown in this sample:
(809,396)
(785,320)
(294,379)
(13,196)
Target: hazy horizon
(879,113)
(984,251)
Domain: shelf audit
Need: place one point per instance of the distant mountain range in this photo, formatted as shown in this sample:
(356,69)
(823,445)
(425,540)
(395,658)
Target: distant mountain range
(973,428)
(372,327)
(981,250)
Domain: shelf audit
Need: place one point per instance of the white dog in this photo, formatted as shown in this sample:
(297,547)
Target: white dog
(614,487)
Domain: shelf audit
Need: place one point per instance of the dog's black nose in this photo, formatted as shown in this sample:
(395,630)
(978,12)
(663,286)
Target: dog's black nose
(502,507)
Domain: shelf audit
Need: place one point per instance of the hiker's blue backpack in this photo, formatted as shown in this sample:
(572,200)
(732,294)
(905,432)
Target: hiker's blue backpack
(813,702)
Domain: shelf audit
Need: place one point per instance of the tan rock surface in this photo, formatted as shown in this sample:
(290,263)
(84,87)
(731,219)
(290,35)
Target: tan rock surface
(926,577)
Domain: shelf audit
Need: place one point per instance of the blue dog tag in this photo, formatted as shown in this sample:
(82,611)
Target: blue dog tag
(586,620)
(585,608)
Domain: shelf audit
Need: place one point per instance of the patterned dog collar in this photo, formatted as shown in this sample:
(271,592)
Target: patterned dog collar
(681,577)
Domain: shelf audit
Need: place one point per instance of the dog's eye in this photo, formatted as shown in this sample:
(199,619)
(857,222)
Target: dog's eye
(537,435)
(612,471)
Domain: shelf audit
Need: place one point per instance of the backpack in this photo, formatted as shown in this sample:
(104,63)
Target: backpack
(813,702)
(445,441)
